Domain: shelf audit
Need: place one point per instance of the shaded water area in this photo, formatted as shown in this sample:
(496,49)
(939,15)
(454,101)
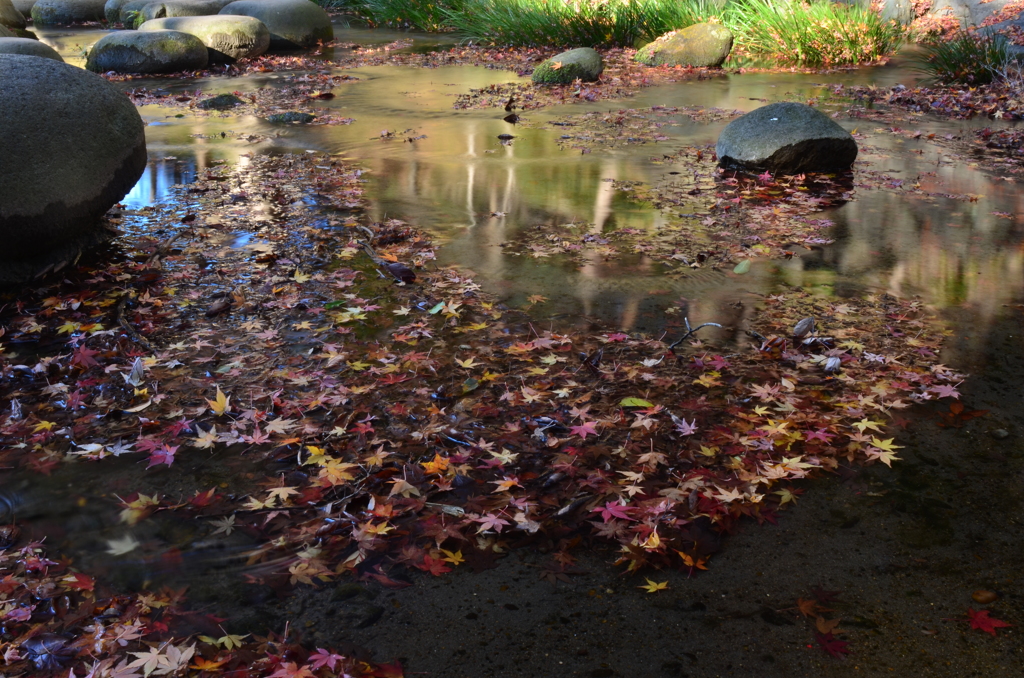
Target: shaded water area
(897,543)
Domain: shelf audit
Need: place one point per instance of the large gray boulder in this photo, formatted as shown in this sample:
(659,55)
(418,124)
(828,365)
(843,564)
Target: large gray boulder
(24,6)
(699,46)
(73,145)
(61,12)
(227,37)
(788,138)
(10,17)
(562,69)
(147,52)
(5,33)
(293,24)
(29,47)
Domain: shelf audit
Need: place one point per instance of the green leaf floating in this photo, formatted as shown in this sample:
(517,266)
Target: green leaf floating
(635,402)
(742,267)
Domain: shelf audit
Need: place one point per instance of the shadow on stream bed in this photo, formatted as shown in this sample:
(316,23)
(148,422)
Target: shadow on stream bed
(895,554)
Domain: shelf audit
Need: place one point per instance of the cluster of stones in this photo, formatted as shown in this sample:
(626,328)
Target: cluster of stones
(704,45)
(173,35)
(50,211)
(784,138)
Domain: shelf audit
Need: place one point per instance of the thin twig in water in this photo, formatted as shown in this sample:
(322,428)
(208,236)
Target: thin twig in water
(690,332)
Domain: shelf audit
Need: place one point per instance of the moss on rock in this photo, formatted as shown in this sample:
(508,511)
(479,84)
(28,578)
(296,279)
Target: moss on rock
(700,46)
(147,52)
(583,64)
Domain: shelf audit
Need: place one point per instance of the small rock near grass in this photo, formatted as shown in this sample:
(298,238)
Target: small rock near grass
(228,37)
(583,64)
(221,102)
(147,52)
(29,47)
(699,46)
(293,24)
(788,138)
(62,12)
(291,116)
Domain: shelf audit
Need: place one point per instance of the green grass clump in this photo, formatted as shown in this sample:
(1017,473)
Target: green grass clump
(815,33)
(803,32)
(433,16)
(561,23)
(964,59)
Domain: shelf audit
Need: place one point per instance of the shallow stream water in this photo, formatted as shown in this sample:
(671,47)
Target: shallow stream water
(459,182)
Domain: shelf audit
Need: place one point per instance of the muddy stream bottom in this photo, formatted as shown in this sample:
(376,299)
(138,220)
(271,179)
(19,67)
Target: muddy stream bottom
(894,554)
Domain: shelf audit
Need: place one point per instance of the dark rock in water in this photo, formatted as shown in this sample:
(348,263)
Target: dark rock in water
(291,116)
(786,137)
(220,102)
(60,171)
(699,46)
(28,47)
(563,69)
(228,37)
(59,12)
(147,52)
(293,24)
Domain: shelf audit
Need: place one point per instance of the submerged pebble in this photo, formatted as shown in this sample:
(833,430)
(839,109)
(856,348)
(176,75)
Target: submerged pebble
(985,597)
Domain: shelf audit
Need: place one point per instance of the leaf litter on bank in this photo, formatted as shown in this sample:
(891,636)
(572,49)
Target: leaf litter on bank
(353,386)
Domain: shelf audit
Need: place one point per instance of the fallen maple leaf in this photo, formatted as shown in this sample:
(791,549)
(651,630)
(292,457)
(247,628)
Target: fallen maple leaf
(832,645)
(220,404)
(653,587)
(983,622)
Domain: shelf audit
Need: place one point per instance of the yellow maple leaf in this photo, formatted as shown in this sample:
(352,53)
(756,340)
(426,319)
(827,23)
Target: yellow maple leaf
(220,404)
(653,587)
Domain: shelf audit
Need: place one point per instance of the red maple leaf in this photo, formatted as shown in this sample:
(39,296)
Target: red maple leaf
(583,430)
(165,455)
(832,645)
(204,499)
(434,566)
(83,357)
(613,509)
(981,621)
(79,581)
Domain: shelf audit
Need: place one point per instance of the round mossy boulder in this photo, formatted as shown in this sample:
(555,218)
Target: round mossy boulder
(788,138)
(29,47)
(62,12)
(147,52)
(699,46)
(577,64)
(293,24)
(228,37)
(10,17)
(74,145)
